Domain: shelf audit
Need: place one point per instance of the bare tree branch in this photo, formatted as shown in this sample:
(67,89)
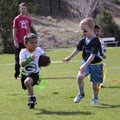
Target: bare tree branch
(87,7)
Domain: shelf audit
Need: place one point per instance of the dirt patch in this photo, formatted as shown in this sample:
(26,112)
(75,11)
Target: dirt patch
(55,33)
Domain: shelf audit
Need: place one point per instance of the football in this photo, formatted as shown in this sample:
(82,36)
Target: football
(44,61)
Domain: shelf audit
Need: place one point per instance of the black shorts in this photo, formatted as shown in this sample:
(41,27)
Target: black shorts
(34,76)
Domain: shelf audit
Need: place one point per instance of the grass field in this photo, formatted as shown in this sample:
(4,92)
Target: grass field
(56,101)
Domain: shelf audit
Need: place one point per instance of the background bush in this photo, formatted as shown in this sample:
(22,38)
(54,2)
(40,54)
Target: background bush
(108,26)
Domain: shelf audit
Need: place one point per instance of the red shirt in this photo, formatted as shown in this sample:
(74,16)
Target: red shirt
(22,25)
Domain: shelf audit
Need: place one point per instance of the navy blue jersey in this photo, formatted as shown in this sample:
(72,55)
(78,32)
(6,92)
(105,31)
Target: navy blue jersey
(93,47)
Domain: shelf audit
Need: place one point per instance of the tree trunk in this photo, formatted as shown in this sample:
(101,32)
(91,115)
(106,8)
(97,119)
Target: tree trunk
(59,4)
(87,7)
(50,5)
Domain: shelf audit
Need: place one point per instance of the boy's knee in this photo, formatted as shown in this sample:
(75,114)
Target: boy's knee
(28,81)
(95,87)
(80,76)
(80,79)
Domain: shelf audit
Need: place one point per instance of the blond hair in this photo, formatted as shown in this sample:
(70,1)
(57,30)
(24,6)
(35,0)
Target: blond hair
(89,22)
(22,4)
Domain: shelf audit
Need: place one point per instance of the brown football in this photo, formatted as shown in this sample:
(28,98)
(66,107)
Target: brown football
(44,61)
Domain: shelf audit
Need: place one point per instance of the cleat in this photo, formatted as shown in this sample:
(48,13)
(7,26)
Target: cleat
(31,102)
(78,98)
(31,106)
(95,101)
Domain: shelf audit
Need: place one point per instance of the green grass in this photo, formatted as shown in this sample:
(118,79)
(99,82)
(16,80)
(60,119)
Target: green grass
(56,101)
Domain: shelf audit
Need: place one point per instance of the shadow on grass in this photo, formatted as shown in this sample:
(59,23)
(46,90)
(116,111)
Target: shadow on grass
(43,111)
(67,78)
(111,87)
(55,93)
(107,106)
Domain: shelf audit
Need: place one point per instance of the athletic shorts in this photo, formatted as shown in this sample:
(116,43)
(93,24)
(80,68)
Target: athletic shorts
(34,76)
(96,72)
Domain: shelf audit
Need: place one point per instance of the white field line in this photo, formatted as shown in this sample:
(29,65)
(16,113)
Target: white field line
(62,62)
(7,64)
(57,62)
(54,62)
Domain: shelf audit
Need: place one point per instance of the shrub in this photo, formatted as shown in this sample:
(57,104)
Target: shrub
(108,26)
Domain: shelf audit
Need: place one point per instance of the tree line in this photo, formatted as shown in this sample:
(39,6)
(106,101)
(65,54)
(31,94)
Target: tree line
(77,8)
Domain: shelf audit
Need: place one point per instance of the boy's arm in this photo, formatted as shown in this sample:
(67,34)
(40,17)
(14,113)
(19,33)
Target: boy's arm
(89,60)
(14,38)
(27,61)
(74,53)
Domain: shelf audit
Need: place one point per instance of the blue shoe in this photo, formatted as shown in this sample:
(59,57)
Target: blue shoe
(78,97)
(94,101)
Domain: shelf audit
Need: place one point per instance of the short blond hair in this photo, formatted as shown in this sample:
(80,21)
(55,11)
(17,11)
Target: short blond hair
(89,22)
(22,4)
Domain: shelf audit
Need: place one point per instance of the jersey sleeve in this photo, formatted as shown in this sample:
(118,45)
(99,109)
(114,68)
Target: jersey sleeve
(80,45)
(96,47)
(22,56)
(41,51)
(15,23)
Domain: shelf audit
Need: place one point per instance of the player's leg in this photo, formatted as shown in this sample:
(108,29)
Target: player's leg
(28,83)
(80,81)
(17,65)
(95,88)
(32,99)
(96,78)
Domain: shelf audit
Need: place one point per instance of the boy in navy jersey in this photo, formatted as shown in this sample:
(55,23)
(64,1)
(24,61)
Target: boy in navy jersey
(91,62)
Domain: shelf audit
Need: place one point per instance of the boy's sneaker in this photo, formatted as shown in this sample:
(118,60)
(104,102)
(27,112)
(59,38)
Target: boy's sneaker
(94,101)
(78,97)
(31,102)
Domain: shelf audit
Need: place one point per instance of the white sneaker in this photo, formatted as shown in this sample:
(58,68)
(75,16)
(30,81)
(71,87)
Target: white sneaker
(94,101)
(78,98)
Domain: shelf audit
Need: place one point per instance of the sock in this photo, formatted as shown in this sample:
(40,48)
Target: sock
(81,89)
(32,96)
(95,94)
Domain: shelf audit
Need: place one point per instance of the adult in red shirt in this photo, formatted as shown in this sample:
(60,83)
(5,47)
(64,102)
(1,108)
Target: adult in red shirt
(21,26)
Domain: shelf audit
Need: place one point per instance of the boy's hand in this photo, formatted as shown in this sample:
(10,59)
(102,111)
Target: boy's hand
(82,69)
(32,57)
(67,59)
(16,44)
(28,60)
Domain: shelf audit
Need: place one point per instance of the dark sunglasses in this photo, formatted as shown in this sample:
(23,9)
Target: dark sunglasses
(85,31)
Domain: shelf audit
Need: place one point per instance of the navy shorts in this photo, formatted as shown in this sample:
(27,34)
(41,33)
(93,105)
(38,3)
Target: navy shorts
(96,73)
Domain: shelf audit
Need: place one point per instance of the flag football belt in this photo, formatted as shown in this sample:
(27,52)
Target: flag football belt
(99,63)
